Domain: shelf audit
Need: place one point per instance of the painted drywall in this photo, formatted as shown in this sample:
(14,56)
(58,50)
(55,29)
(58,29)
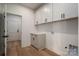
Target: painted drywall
(44,28)
(65,33)
(27,21)
(60,35)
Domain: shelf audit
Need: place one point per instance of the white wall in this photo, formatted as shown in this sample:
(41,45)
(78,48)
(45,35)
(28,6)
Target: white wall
(27,21)
(64,33)
(44,28)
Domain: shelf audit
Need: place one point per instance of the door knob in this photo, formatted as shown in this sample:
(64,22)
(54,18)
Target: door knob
(5,36)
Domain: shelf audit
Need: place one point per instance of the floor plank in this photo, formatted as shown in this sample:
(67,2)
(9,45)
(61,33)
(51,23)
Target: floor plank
(14,49)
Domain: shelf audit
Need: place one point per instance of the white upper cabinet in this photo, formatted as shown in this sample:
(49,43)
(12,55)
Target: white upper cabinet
(43,14)
(71,10)
(55,12)
(64,10)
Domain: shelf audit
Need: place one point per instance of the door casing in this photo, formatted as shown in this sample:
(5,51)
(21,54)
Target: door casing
(20,24)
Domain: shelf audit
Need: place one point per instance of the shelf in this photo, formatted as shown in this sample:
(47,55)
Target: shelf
(66,19)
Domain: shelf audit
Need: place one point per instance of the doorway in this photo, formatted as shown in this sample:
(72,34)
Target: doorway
(2,37)
(14,31)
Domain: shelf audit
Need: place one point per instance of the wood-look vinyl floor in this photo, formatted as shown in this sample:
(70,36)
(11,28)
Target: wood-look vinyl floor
(14,49)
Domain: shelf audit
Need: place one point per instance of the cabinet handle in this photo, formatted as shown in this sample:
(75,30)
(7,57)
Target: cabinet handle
(62,15)
(33,38)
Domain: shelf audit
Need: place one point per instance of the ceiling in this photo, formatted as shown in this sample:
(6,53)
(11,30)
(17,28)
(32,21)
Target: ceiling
(33,6)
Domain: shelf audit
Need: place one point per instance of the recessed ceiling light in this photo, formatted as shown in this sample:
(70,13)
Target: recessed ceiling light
(46,9)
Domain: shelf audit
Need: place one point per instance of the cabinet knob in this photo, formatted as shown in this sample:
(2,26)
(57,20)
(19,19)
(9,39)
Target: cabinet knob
(33,38)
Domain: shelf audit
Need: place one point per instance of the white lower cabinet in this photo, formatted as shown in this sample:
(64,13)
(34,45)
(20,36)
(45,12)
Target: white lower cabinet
(38,40)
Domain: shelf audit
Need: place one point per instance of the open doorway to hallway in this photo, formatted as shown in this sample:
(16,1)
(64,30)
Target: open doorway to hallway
(14,31)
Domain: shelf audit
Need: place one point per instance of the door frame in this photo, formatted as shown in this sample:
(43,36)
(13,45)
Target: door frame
(6,30)
(21,22)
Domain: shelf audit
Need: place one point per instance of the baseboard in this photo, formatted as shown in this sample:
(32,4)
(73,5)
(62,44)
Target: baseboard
(51,52)
(57,52)
(34,47)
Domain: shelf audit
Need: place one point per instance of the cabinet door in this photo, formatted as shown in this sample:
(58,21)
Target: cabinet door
(39,17)
(44,14)
(36,41)
(69,10)
(47,12)
(33,39)
(41,41)
(57,11)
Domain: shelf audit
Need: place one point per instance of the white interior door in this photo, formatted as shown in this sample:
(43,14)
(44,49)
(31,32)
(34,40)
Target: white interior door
(2,34)
(2,30)
(14,27)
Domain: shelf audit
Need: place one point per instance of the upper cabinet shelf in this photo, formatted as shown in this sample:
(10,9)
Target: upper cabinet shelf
(66,19)
(55,12)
